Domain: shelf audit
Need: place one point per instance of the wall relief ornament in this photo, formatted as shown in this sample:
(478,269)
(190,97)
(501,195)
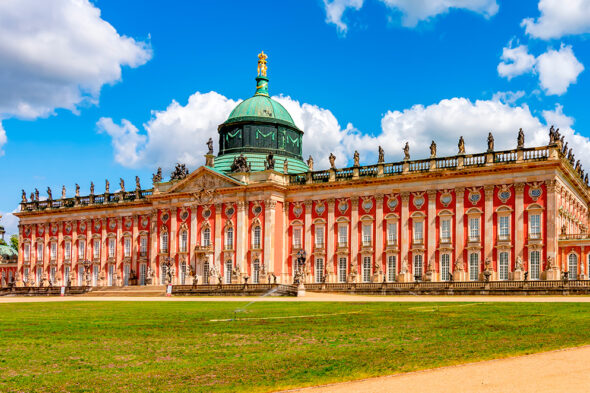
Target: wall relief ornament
(320,208)
(367,204)
(342,205)
(256,209)
(53,229)
(144,222)
(535,190)
(165,216)
(392,201)
(297,209)
(96,225)
(446,198)
(474,195)
(504,193)
(206,213)
(418,199)
(229,209)
(112,224)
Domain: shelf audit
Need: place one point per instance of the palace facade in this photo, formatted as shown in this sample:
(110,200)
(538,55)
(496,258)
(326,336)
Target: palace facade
(257,212)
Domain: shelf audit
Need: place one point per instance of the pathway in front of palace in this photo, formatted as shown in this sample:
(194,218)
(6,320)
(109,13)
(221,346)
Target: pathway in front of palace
(565,370)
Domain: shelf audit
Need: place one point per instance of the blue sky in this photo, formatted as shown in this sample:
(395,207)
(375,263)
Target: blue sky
(110,89)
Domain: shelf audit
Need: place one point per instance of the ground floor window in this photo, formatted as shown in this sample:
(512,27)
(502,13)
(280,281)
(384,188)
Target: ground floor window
(503,265)
(95,275)
(26,275)
(391,267)
(66,275)
(182,273)
(80,276)
(206,272)
(142,273)
(256,271)
(342,269)
(319,269)
(126,270)
(572,266)
(418,266)
(162,274)
(39,275)
(228,266)
(367,269)
(473,266)
(535,265)
(111,275)
(445,267)
(52,275)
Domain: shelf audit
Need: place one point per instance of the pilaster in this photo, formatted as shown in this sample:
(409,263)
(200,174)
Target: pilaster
(173,238)
(431,227)
(218,241)
(60,253)
(135,245)
(153,244)
(241,236)
(379,232)
(119,252)
(354,234)
(459,226)
(269,238)
(519,218)
(307,229)
(488,245)
(405,236)
(330,268)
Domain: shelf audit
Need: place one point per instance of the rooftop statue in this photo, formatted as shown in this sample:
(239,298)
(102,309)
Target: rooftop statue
(49,195)
(32,196)
(23,196)
(269,163)
(381,158)
(310,163)
(36,195)
(137,183)
(332,159)
(240,164)
(210,146)
(490,143)
(179,173)
(106,186)
(285,166)
(77,190)
(63,192)
(520,139)
(157,177)
(461,145)
(122,184)
(564,148)
(356,158)
(433,149)
(407,151)
(262,63)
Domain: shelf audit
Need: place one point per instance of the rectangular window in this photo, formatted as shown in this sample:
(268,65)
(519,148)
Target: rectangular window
(418,232)
(367,269)
(392,233)
(418,267)
(81,249)
(127,247)
(53,250)
(535,226)
(27,252)
(67,251)
(164,242)
(297,238)
(228,267)
(80,276)
(474,266)
(504,228)
(66,275)
(256,238)
(112,244)
(52,275)
(342,236)
(535,261)
(319,236)
(143,246)
(96,249)
(391,268)
(319,270)
(40,252)
(26,275)
(256,272)
(342,269)
(503,266)
(474,229)
(445,267)
(445,231)
(229,239)
(367,232)
(183,241)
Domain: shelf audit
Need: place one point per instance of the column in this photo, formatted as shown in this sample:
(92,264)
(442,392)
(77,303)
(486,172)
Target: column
(33,260)
(153,245)
(431,228)
(488,245)
(269,238)
(88,252)
(330,269)
(60,254)
(174,239)
(135,246)
(459,234)
(119,251)
(21,251)
(285,275)
(379,236)
(519,218)
(194,230)
(218,241)
(242,236)
(307,235)
(552,233)
(354,235)
(404,236)
(103,251)
(46,254)
(74,256)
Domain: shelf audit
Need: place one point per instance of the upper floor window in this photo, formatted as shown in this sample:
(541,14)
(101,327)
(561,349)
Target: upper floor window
(112,247)
(256,237)
(206,237)
(81,249)
(27,252)
(67,251)
(229,238)
(53,250)
(127,246)
(535,226)
(419,232)
(391,233)
(342,236)
(40,252)
(504,228)
(319,236)
(143,246)
(183,240)
(367,234)
(474,229)
(96,249)
(296,237)
(164,242)
(445,230)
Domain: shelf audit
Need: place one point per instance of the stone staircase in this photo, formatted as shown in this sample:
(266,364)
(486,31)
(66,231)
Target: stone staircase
(130,291)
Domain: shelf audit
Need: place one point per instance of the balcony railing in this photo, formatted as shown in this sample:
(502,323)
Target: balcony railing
(534,236)
(445,239)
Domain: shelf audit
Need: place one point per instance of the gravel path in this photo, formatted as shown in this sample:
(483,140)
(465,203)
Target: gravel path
(548,372)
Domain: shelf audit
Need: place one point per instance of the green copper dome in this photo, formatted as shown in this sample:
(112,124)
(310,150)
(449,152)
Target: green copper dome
(261,107)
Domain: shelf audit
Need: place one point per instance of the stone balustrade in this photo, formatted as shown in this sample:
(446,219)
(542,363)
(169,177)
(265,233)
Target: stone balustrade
(87,200)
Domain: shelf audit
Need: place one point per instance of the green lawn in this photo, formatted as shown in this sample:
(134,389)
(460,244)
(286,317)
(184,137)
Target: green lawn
(175,347)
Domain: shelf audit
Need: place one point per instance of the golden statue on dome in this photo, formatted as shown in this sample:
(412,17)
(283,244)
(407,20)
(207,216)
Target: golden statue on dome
(262,63)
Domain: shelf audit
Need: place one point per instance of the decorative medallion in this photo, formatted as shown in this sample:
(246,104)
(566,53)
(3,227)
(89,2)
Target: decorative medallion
(535,191)
(297,209)
(27,230)
(144,222)
(320,208)
(82,226)
(184,215)
(504,194)
(53,229)
(165,217)
(367,205)
(446,198)
(41,230)
(392,202)
(128,224)
(257,209)
(112,224)
(474,195)
(230,211)
(68,227)
(206,213)
(342,206)
(96,225)
(418,200)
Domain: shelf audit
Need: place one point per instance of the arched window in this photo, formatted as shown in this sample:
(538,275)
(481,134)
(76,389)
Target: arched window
(164,242)
(573,267)
(206,238)
(256,237)
(183,240)
(229,238)
(256,272)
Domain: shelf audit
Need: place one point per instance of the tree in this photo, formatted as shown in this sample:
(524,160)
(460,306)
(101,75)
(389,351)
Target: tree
(14,242)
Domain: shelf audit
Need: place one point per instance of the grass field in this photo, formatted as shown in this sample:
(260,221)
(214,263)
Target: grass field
(175,347)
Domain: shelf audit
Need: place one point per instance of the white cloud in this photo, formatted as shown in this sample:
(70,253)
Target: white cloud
(515,61)
(559,18)
(413,11)
(2,139)
(10,223)
(558,69)
(508,97)
(58,55)
(126,140)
